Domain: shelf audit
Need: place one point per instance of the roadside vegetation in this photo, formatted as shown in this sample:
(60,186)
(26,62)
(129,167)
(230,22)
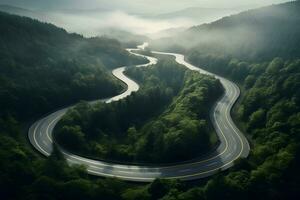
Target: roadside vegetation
(166,121)
(269,72)
(269,108)
(43,67)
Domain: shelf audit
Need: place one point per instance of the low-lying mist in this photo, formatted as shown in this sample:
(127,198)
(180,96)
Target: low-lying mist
(121,24)
(248,35)
(93,24)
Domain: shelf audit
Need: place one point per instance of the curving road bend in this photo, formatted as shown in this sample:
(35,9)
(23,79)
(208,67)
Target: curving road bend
(233,143)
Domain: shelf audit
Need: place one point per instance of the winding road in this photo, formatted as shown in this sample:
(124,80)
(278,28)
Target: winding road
(233,143)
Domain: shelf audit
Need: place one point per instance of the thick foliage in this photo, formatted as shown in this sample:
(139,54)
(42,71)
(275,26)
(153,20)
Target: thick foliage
(254,35)
(124,130)
(43,67)
(270,109)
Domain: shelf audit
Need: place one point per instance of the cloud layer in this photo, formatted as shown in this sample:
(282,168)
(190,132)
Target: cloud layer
(91,25)
(136,5)
(92,17)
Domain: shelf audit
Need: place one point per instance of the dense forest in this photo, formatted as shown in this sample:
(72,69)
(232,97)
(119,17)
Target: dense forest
(166,121)
(267,68)
(269,75)
(43,67)
(268,111)
(254,35)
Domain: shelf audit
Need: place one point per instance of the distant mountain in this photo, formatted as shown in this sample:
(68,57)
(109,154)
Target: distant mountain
(23,12)
(15,10)
(123,35)
(68,19)
(167,33)
(127,38)
(260,33)
(43,66)
(85,12)
(199,13)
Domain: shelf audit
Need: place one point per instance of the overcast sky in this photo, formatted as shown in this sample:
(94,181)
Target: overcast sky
(137,5)
(128,14)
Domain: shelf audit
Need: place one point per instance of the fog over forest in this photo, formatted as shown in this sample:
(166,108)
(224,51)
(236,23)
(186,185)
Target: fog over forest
(150,99)
(151,18)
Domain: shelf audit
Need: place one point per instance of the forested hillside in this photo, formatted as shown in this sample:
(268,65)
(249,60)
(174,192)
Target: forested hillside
(254,35)
(258,49)
(166,121)
(270,110)
(43,67)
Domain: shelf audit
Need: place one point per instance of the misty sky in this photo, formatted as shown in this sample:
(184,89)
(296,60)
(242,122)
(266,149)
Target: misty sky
(136,16)
(135,5)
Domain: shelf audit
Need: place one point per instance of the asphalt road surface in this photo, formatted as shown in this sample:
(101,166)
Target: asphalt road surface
(233,143)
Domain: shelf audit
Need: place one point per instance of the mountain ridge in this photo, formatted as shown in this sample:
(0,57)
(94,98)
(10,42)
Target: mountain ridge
(247,35)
